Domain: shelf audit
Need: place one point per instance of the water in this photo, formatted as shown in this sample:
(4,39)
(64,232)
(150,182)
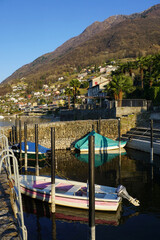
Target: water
(10,120)
(132,170)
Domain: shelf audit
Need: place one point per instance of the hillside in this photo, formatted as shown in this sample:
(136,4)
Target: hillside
(118,36)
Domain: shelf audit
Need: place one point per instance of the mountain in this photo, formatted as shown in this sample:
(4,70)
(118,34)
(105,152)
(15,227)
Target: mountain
(118,36)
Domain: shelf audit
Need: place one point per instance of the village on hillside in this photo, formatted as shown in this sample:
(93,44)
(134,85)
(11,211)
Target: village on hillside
(124,84)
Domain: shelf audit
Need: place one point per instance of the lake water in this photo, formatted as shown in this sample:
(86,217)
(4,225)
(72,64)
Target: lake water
(133,170)
(10,120)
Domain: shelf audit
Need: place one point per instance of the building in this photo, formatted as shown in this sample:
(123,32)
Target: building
(96,87)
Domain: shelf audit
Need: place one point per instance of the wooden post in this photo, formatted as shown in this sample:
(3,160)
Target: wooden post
(25,144)
(119,134)
(99,126)
(16,137)
(10,137)
(20,141)
(36,149)
(151,150)
(53,170)
(13,135)
(91,188)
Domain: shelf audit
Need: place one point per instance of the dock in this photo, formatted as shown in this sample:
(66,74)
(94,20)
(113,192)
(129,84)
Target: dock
(8,222)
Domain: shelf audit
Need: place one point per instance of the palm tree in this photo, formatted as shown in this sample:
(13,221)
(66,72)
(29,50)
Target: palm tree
(68,92)
(119,85)
(75,84)
(141,62)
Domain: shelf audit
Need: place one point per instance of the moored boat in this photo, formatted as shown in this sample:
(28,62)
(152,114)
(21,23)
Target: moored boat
(102,144)
(31,152)
(69,193)
(72,193)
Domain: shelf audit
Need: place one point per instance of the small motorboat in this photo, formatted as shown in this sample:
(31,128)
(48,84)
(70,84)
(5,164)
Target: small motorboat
(102,144)
(72,193)
(31,152)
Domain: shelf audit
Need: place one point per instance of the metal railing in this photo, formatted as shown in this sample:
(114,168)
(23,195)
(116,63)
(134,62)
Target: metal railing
(6,157)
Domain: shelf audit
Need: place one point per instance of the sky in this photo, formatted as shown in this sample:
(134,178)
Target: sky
(31,28)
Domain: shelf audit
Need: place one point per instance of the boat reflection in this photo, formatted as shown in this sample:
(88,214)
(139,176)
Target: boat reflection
(42,209)
(101,158)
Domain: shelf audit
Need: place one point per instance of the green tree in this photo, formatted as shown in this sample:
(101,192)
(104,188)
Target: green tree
(75,84)
(68,92)
(119,85)
(142,63)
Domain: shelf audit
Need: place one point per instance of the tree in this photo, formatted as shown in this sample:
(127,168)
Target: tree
(141,62)
(119,85)
(68,92)
(75,84)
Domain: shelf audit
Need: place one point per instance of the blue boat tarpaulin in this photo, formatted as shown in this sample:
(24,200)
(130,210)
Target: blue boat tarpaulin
(31,147)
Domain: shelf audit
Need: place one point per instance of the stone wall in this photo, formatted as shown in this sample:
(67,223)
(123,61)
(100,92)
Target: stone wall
(96,113)
(68,132)
(122,111)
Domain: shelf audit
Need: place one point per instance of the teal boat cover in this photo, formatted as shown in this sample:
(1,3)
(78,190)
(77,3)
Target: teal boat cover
(101,142)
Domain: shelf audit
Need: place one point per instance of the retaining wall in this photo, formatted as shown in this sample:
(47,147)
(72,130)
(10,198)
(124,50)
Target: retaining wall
(69,131)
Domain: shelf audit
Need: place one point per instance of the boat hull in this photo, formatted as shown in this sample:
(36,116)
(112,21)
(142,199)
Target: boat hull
(70,201)
(106,149)
(30,156)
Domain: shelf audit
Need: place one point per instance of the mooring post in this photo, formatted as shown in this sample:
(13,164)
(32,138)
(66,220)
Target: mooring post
(119,134)
(151,151)
(25,144)
(20,146)
(53,170)
(16,137)
(99,125)
(91,189)
(13,135)
(36,149)
(10,137)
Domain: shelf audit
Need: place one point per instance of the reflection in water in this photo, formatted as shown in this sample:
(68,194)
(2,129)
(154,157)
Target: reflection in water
(133,171)
(100,159)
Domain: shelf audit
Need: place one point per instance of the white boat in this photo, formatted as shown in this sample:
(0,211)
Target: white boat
(71,193)
(1,117)
(143,145)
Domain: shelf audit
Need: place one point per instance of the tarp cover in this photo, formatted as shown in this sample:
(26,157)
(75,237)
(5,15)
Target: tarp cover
(31,147)
(100,142)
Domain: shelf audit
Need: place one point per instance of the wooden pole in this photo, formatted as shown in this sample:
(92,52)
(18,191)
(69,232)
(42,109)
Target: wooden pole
(119,134)
(99,125)
(16,132)
(13,135)
(36,149)
(151,150)
(53,170)
(20,146)
(25,144)
(91,188)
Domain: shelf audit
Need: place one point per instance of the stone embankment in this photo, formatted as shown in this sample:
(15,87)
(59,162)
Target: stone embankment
(68,132)
(8,223)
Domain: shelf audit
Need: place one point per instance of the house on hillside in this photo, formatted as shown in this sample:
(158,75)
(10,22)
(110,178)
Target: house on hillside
(96,87)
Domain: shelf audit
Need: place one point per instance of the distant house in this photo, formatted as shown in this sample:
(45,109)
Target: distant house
(60,78)
(82,75)
(96,87)
(45,86)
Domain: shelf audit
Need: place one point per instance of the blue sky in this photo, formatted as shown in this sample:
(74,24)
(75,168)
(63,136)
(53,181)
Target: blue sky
(31,28)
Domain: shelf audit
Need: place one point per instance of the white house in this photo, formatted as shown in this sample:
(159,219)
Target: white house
(96,87)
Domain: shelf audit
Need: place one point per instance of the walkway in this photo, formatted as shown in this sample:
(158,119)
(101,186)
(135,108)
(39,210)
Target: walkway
(8,226)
